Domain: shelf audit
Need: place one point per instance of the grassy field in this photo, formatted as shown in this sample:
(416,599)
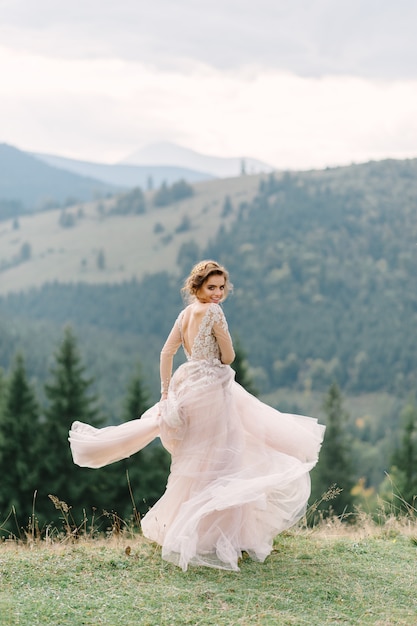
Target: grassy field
(334,574)
(130,244)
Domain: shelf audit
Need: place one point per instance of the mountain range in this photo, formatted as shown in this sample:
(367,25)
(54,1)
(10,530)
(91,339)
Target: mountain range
(165,153)
(34,181)
(30,185)
(126,175)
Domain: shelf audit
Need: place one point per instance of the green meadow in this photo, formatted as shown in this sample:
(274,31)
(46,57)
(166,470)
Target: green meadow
(133,245)
(332,574)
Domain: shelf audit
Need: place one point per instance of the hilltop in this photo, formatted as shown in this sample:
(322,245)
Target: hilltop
(133,245)
(365,576)
(166,152)
(127,174)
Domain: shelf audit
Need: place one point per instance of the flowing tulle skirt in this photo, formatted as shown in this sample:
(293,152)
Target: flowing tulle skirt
(239,472)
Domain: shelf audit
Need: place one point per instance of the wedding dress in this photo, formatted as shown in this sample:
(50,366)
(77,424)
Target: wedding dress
(240,469)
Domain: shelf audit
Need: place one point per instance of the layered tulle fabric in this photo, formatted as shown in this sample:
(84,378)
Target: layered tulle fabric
(239,473)
(96,447)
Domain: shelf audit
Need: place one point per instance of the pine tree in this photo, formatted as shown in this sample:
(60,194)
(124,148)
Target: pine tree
(101,260)
(240,365)
(3,389)
(188,255)
(69,399)
(137,397)
(145,473)
(334,465)
(227,207)
(404,460)
(19,427)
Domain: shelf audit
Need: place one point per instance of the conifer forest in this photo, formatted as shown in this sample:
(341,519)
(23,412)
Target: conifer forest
(324,306)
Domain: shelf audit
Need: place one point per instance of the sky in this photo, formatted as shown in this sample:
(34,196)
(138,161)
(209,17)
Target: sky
(297,84)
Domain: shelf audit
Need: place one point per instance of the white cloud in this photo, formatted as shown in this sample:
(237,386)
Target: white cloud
(373,38)
(300,83)
(103,109)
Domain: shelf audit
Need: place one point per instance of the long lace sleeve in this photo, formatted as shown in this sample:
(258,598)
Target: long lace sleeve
(168,351)
(221,332)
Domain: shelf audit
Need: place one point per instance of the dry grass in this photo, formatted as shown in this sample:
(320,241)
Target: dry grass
(336,573)
(345,570)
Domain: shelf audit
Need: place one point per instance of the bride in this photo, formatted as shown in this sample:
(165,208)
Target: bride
(240,469)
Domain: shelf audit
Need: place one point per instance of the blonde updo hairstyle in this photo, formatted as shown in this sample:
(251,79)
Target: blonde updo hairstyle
(198,276)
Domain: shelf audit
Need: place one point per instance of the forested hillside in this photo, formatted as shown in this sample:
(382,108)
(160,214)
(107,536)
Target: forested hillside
(324,267)
(114,239)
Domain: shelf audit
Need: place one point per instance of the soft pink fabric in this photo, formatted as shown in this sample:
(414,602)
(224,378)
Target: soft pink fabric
(240,469)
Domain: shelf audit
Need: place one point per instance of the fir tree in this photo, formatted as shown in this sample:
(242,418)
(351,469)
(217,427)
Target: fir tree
(145,473)
(188,255)
(404,460)
(137,398)
(334,466)
(101,260)
(227,207)
(240,365)
(19,427)
(69,399)
(3,388)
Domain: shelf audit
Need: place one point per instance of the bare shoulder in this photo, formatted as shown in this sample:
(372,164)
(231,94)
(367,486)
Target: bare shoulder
(199,308)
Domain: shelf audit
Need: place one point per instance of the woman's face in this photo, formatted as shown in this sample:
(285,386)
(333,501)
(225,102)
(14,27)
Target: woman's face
(212,290)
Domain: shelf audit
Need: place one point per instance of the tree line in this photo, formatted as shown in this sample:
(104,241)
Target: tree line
(324,266)
(40,481)
(35,459)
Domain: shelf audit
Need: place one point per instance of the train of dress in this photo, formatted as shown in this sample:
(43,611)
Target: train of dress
(239,472)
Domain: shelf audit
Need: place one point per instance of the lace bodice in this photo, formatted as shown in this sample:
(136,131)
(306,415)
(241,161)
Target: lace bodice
(212,342)
(205,344)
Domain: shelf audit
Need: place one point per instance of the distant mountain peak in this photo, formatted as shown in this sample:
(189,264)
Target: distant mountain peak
(171,154)
(45,185)
(168,148)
